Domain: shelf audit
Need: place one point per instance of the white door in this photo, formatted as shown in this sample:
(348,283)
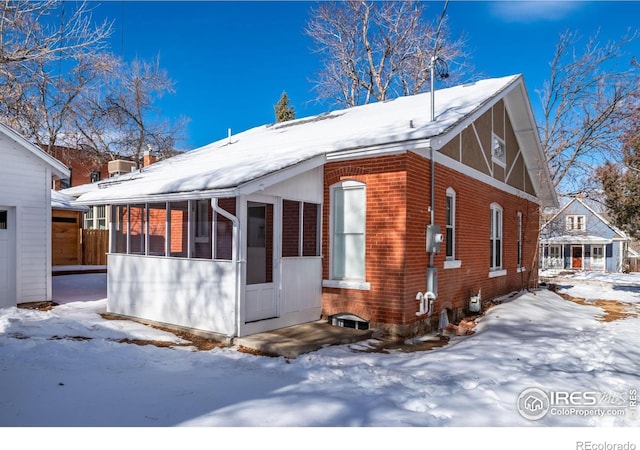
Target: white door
(261,300)
(7,258)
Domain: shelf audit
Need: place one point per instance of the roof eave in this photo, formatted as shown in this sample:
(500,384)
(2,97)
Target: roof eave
(57,168)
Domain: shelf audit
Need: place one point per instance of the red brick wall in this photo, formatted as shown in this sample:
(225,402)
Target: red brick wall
(473,202)
(81,163)
(385,180)
(398,198)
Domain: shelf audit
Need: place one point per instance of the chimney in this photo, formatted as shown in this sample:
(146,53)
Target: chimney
(148,158)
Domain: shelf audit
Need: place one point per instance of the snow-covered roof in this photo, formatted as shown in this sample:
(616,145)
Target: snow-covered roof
(63,201)
(223,167)
(57,168)
(77,191)
(576,239)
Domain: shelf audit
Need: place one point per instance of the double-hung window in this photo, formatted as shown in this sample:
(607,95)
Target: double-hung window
(575,223)
(348,231)
(496,238)
(450,237)
(450,232)
(519,250)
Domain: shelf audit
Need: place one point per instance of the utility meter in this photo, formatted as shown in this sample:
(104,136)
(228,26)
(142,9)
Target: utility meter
(434,238)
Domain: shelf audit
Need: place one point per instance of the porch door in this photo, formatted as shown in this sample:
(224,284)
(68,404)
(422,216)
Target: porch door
(576,257)
(597,257)
(260,292)
(7,258)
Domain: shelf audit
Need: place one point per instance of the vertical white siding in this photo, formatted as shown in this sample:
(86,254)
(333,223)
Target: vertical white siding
(306,187)
(25,183)
(194,293)
(301,284)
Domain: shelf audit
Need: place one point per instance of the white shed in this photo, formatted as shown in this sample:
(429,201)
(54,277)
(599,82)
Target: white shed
(26,175)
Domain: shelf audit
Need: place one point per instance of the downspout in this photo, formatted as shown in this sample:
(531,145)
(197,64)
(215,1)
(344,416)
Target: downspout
(235,260)
(433,198)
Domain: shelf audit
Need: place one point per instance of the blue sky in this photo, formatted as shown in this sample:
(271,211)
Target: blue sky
(231,60)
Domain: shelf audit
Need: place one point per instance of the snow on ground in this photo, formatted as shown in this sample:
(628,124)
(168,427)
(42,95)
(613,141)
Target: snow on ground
(67,368)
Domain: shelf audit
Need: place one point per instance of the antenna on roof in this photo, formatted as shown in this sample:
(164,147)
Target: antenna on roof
(437,63)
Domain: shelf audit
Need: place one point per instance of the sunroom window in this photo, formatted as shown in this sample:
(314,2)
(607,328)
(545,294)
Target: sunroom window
(300,229)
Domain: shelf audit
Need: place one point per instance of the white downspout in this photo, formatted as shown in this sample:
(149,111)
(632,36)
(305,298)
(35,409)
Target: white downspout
(235,260)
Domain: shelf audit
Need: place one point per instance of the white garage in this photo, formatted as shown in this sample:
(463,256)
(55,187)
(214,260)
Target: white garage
(26,175)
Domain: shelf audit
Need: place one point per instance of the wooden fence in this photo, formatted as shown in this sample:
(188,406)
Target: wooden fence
(95,244)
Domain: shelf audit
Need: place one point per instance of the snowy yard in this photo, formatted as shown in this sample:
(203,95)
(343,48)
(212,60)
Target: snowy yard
(67,368)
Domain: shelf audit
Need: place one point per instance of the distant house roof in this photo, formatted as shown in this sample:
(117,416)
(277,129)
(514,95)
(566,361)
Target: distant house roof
(256,158)
(66,202)
(57,168)
(621,234)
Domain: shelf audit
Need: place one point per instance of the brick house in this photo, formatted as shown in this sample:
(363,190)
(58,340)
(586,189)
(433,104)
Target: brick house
(354,216)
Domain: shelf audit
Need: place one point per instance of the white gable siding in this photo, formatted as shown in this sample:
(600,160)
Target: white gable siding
(25,184)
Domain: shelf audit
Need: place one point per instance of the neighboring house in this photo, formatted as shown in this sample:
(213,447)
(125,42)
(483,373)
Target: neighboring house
(578,238)
(328,217)
(96,217)
(85,166)
(26,177)
(94,220)
(66,230)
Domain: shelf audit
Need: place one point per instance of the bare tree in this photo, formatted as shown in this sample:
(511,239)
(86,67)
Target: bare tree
(55,99)
(584,103)
(372,51)
(49,54)
(124,119)
(46,30)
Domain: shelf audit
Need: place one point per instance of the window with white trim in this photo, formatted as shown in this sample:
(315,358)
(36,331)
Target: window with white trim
(519,254)
(576,222)
(495,240)
(348,224)
(96,218)
(450,236)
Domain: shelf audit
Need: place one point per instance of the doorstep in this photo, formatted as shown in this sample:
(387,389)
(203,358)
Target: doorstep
(74,270)
(295,340)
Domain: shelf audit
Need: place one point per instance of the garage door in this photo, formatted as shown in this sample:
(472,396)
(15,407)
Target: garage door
(7,258)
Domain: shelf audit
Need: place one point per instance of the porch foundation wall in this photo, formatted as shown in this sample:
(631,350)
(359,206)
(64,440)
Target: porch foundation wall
(197,294)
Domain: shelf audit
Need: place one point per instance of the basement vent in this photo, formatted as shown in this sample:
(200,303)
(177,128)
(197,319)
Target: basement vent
(349,321)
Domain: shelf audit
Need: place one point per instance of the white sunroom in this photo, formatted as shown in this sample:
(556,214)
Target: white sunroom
(220,264)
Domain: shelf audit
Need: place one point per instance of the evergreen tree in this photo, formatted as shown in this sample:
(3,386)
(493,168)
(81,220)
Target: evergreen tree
(284,110)
(621,184)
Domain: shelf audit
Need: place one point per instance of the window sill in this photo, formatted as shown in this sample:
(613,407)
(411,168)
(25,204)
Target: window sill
(521,269)
(453,264)
(497,273)
(342,284)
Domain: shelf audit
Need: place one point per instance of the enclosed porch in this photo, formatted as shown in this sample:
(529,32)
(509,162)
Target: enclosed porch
(233,266)
(588,254)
